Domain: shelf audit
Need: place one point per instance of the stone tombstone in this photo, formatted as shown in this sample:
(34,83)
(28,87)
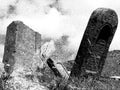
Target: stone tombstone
(20,46)
(95,43)
(52,66)
(58,68)
(93,50)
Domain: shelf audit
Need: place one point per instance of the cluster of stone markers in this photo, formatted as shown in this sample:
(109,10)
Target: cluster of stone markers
(21,44)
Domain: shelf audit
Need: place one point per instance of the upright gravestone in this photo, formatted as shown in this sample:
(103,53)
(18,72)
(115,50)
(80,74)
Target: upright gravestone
(20,46)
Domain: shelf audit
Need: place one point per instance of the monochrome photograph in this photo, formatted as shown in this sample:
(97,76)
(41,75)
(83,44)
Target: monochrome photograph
(59,45)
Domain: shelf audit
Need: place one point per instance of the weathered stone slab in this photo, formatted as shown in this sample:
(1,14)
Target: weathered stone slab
(58,69)
(94,47)
(95,43)
(20,46)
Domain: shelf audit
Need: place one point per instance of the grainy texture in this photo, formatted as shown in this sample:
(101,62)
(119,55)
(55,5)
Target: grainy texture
(20,45)
(95,43)
(104,82)
(93,49)
(22,50)
(23,59)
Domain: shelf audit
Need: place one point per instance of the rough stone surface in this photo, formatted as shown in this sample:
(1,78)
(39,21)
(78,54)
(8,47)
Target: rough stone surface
(58,69)
(95,43)
(93,49)
(21,58)
(20,46)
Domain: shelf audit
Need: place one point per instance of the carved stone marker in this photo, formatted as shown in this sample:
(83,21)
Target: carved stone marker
(53,68)
(60,72)
(58,69)
(95,43)
(93,49)
(20,46)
